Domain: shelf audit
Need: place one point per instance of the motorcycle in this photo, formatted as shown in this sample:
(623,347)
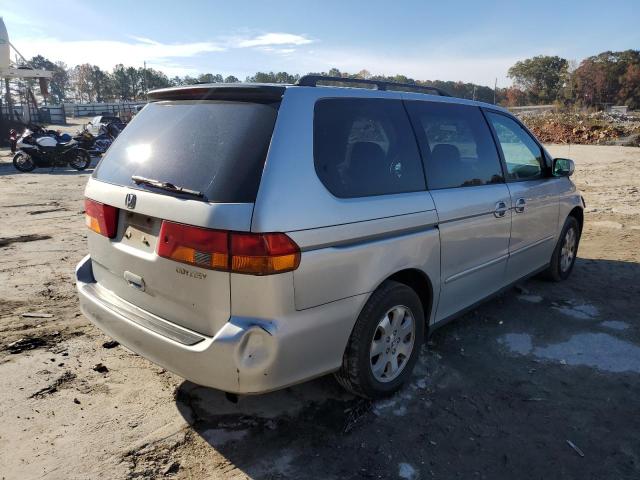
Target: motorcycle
(95,145)
(46,148)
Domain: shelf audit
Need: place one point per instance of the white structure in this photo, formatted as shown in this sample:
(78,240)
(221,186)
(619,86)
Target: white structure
(5,49)
(622,109)
(6,69)
(9,71)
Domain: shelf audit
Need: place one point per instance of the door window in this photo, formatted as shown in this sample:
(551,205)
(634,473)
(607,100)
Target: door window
(365,147)
(456,145)
(521,153)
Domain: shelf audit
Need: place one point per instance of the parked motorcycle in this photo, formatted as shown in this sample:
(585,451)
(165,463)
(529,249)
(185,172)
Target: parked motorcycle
(39,148)
(95,145)
(39,131)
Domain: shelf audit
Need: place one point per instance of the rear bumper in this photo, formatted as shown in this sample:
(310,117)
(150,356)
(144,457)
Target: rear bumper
(245,356)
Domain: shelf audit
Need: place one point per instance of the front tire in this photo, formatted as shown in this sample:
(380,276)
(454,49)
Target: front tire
(81,161)
(23,162)
(385,343)
(566,251)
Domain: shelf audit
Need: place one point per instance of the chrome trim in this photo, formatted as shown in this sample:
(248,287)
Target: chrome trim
(142,318)
(466,217)
(531,245)
(356,233)
(497,260)
(382,236)
(464,273)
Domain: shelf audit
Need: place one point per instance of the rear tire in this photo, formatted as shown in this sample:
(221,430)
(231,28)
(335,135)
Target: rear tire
(23,162)
(565,253)
(385,343)
(82,160)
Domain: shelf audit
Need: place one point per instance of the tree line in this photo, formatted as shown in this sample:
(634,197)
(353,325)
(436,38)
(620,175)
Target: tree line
(609,77)
(606,78)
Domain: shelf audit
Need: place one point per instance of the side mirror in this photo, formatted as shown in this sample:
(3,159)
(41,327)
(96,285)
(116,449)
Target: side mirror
(563,167)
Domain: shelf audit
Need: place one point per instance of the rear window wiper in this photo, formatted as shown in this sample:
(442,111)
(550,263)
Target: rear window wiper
(166,186)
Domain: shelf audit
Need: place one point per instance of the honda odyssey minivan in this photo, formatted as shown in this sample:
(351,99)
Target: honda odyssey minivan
(249,236)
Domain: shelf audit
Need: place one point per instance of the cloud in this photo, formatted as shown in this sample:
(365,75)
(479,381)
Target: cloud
(107,53)
(144,40)
(277,50)
(135,50)
(245,54)
(270,39)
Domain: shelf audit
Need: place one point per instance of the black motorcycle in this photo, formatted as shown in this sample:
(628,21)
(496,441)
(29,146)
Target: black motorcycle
(45,148)
(95,145)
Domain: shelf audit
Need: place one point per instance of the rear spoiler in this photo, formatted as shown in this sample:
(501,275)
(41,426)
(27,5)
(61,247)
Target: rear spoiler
(244,92)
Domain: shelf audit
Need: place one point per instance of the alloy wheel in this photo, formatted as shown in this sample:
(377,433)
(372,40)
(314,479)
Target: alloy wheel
(568,251)
(392,344)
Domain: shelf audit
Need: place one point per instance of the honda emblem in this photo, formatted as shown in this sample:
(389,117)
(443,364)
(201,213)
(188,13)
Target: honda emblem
(130,201)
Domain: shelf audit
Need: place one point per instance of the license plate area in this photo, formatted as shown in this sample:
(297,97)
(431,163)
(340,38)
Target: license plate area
(140,231)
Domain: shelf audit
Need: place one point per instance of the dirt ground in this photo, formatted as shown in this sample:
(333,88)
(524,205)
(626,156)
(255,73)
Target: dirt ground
(542,382)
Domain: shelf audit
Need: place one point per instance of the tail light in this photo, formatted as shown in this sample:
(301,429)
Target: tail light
(101,218)
(194,245)
(248,253)
(263,253)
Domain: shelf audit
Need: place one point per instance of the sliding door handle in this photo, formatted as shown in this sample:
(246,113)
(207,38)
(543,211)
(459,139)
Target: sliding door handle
(520,204)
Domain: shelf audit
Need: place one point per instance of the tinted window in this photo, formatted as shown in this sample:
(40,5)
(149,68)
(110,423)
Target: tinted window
(521,153)
(217,148)
(365,147)
(456,144)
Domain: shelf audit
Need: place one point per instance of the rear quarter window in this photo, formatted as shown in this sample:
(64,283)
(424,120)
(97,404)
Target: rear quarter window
(214,147)
(365,147)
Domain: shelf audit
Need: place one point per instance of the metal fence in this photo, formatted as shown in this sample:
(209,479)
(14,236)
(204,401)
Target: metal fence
(53,114)
(50,114)
(533,109)
(91,109)
(57,114)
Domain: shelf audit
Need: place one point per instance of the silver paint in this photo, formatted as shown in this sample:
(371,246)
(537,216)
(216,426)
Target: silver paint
(263,333)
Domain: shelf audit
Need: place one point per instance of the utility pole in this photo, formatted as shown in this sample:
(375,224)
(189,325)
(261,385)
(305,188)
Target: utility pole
(144,78)
(9,99)
(495,89)
(474,93)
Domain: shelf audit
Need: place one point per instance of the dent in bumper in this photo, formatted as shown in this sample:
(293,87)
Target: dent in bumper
(246,355)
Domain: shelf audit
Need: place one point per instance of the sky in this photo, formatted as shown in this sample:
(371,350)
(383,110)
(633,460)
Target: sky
(458,40)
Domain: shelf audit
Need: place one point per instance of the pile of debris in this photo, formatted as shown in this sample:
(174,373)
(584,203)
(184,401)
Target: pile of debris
(585,128)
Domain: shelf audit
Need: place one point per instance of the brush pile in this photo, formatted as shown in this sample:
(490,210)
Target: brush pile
(598,128)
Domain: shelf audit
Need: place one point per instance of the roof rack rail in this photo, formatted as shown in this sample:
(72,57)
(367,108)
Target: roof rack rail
(312,81)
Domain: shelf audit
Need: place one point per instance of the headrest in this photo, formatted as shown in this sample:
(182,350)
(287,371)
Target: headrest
(366,155)
(444,152)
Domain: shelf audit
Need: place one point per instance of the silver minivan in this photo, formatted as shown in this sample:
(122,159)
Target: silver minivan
(250,236)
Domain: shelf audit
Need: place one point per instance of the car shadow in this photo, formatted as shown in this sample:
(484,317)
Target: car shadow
(256,432)
(468,385)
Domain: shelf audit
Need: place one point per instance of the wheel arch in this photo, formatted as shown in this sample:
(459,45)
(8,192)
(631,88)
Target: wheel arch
(420,283)
(578,214)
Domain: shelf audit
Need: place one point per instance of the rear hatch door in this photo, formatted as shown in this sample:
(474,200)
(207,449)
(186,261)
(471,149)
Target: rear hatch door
(214,147)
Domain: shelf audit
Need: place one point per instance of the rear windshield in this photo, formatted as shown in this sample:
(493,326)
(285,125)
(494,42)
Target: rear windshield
(214,147)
